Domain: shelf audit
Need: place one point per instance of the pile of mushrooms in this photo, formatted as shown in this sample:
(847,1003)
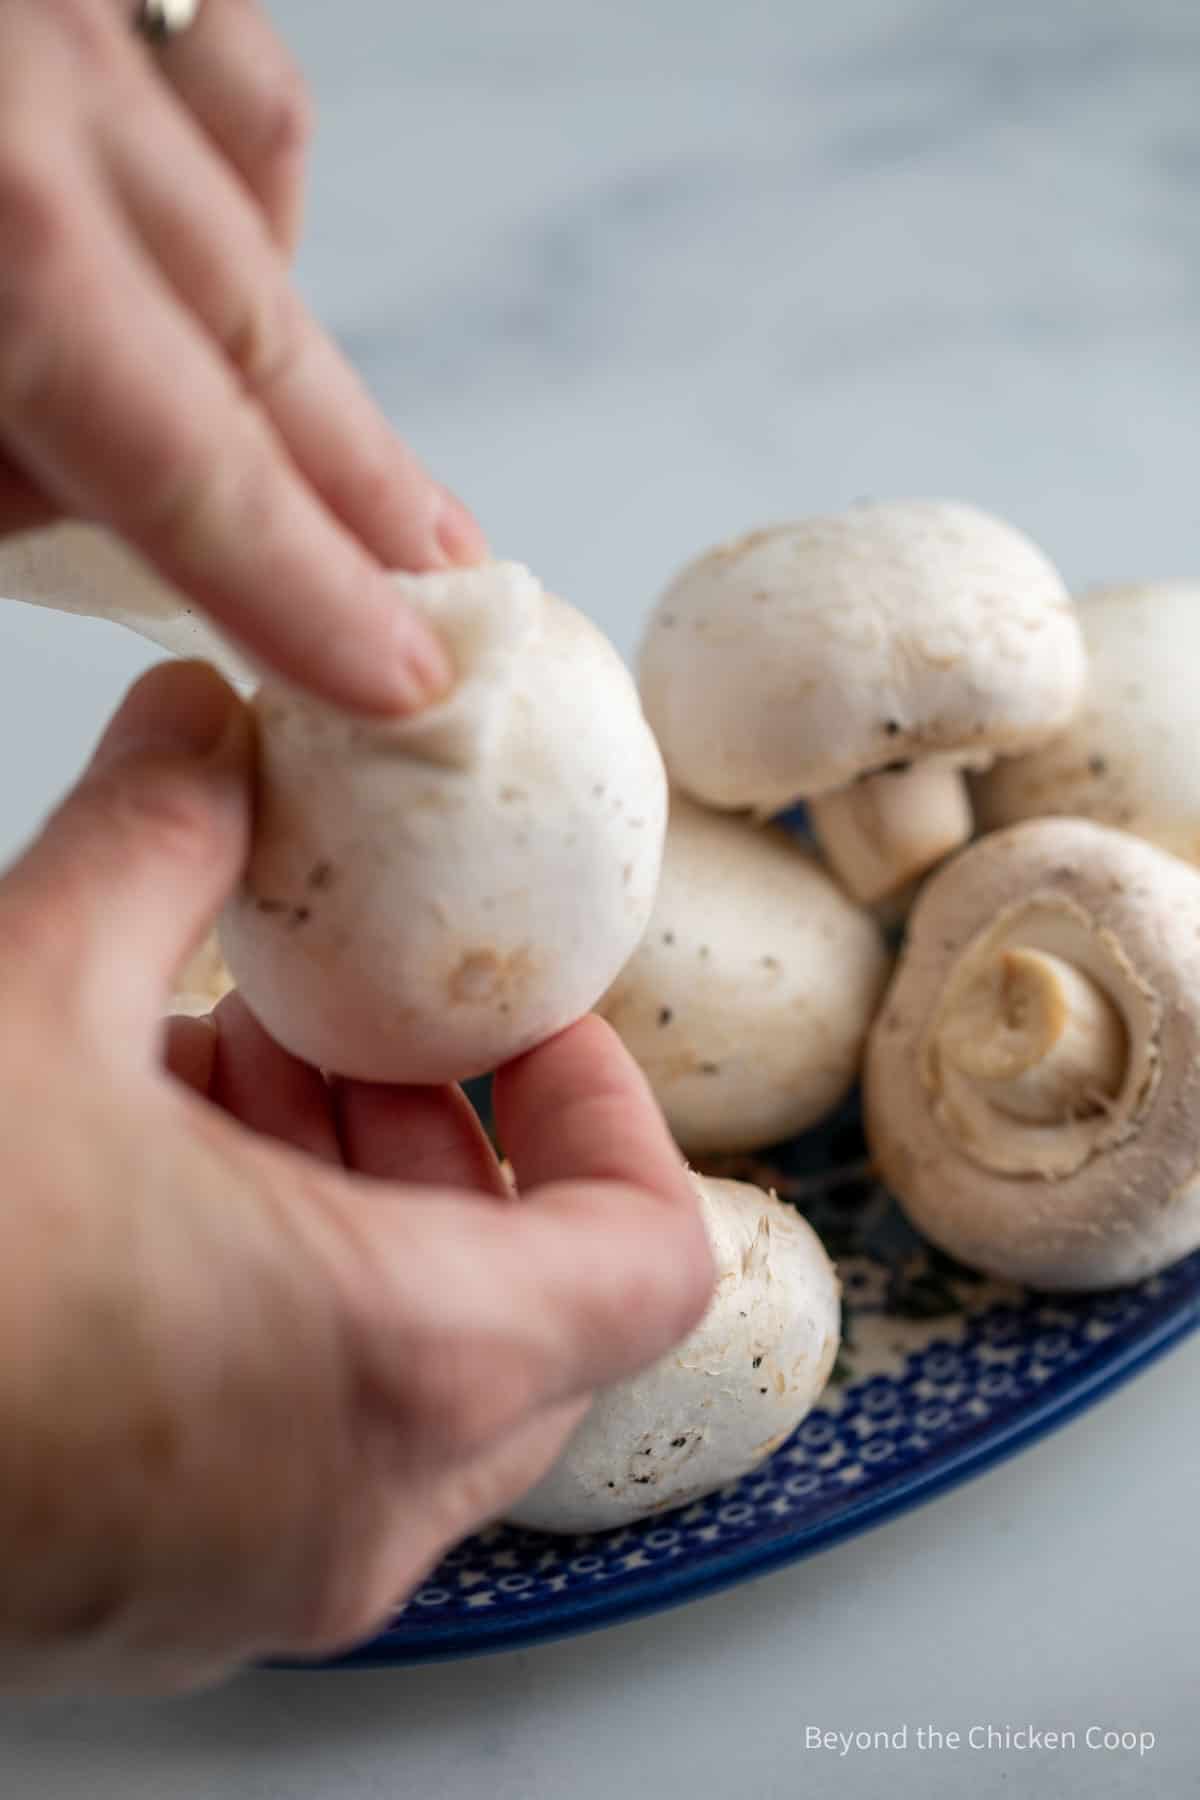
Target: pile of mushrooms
(426,899)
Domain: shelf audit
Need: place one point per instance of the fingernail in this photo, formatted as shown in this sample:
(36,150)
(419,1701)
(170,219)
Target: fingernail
(458,531)
(429,672)
(180,709)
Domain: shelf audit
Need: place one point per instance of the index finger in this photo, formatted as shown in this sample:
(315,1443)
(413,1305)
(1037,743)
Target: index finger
(143,427)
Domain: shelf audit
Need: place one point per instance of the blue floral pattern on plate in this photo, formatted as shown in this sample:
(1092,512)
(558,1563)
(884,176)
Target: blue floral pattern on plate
(942,1372)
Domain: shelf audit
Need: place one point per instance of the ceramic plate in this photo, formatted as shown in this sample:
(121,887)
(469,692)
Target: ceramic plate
(942,1373)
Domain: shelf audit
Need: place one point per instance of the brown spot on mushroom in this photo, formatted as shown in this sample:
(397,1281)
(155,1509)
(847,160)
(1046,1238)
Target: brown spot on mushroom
(668,937)
(710,1068)
(1097,765)
(299,915)
(483,975)
(665,1015)
(269,907)
(321,877)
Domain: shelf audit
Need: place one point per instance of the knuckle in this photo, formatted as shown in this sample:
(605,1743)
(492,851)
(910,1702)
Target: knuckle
(288,120)
(268,340)
(87,29)
(212,493)
(36,249)
(35,215)
(456,1414)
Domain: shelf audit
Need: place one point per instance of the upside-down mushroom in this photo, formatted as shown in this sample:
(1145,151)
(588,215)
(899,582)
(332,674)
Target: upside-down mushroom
(860,663)
(748,1000)
(1032,1082)
(1129,757)
(726,1398)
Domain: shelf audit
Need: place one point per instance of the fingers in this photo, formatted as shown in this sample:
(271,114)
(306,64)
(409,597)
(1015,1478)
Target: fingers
(573,1288)
(238,80)
(238,288)
(148,431)
(579,1108)
(424,1135)
(267,1090)
(130,871)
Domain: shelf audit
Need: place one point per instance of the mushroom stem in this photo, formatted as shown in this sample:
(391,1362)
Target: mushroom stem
(77,568)
(882,832)
(1037,1038)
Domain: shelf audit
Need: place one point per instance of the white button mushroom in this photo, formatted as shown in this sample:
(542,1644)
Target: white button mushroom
(427,898)
(77,568)
(748,1001)
(1032,1083)
(723,1400)
(1129,757)
(861,662)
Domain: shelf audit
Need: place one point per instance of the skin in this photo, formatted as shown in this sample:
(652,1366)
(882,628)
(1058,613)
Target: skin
(149,229)
(244,1314)
(267,1345)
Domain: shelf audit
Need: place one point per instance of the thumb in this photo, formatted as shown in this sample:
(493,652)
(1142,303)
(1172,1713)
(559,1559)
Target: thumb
(130,871)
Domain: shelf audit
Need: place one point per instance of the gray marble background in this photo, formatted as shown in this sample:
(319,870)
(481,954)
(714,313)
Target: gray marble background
(632,276)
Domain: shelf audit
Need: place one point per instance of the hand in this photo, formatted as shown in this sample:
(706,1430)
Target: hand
(159,373)
(265,1355)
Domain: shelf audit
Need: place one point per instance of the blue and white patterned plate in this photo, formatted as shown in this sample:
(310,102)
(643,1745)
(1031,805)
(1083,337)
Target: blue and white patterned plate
(942,1373)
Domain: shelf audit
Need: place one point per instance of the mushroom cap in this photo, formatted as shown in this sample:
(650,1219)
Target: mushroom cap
(747,1002)
(714,1407)
(427,898)
(1128,758)
(787,663)
(1124,1201)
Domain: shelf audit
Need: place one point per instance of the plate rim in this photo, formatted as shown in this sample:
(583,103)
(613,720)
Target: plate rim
(974,1454)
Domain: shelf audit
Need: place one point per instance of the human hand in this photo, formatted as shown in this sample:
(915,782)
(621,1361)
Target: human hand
(265,1355)
(159,373)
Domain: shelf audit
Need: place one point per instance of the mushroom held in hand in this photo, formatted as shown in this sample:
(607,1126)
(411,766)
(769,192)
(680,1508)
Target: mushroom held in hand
(427,898)
(748,1001)
(1032,1084)
(723,1400)
(861,662)
(1129,757)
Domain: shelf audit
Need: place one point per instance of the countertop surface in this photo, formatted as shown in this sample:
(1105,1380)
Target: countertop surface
(634,275)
